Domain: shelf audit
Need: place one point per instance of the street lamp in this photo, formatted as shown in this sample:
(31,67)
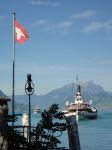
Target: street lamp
(29,89)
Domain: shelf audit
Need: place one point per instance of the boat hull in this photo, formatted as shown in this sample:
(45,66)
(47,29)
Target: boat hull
(82,115)
(87,115)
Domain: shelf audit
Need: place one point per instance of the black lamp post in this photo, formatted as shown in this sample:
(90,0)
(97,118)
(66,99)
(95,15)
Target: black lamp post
(29,89)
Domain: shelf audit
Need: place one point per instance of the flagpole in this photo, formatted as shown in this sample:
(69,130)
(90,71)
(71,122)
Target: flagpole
(13,78)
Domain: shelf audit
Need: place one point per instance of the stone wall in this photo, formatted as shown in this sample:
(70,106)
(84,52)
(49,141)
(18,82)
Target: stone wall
(3,124)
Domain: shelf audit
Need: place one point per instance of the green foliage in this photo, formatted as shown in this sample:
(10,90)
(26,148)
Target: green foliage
(15,140)
(13,118)
(46,134)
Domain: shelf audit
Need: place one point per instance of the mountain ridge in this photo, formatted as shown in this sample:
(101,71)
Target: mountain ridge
(89,90)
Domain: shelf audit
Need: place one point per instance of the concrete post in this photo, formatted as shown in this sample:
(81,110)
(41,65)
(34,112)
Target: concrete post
(25,121)
(73,135)
(3,123)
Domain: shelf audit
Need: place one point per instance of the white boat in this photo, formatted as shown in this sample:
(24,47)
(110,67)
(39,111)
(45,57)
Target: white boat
(37,110)
(81,109)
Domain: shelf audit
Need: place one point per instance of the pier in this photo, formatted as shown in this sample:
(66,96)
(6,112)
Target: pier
(73,135)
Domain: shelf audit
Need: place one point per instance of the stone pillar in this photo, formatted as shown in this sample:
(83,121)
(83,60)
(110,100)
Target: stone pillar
(3,123)
(73,135)
(25,121)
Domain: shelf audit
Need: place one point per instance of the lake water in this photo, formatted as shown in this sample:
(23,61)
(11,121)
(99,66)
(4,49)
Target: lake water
(93,134)
(97,134)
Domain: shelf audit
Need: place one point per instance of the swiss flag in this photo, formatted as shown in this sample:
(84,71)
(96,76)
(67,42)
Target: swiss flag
(21,34)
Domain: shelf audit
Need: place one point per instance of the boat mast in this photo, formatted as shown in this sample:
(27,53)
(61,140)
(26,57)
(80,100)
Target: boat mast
(78,87)
(78,95)
(77,117)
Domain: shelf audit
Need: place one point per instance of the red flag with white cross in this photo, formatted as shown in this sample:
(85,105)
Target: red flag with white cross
(21,33)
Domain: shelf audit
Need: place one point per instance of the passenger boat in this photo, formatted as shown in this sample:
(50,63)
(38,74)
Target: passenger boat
(79,108)
(37,110)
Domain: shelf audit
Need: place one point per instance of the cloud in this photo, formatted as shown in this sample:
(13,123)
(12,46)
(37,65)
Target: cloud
(97,61)
(68,23)
(41,69)
(65,25)
(46,25)
(40,23)
(108,25)
(60,25)
(94,26)
(105,62)
(34,2)
(85,14)
(45,2)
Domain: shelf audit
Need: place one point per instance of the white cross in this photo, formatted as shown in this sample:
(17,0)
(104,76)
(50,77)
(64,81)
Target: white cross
(19,33)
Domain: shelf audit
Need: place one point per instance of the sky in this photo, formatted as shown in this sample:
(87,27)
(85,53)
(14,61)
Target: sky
(66,38)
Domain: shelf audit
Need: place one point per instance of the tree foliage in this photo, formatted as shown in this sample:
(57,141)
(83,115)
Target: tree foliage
(46,134)
(16,141)
(48,129)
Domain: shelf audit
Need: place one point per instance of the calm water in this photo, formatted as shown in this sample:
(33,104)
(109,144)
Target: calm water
(94,134)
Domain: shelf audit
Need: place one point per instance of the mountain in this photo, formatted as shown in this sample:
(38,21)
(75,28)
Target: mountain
(2,94)
(100,97)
